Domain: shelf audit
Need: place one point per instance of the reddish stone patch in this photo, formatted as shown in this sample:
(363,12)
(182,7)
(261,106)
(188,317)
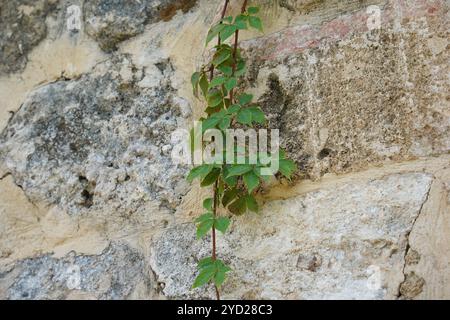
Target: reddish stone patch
(298,38)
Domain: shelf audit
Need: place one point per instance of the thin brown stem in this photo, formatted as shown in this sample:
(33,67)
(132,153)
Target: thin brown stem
(224,11)
(214,254)
(236,41)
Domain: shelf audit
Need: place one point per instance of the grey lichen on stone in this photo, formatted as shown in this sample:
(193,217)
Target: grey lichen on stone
(110,22)
(102,141)
(114,274)
(23,26)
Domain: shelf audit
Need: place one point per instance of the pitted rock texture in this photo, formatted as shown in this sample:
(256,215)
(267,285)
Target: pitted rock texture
(98,142)
(347,242)
(114,274)
(111,22)
(23,26)
(344,98)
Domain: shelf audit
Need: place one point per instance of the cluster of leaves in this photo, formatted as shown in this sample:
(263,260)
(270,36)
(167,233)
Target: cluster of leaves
(235,184)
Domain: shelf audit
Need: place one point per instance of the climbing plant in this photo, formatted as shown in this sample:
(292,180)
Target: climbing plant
(234,184)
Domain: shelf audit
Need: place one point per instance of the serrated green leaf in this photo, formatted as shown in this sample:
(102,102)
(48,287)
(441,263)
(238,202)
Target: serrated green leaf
(229,195)
(226,70)
(287,167)
(230,84)
(257,115)
(209,123)
(219,278)
(213,32)
(255,22)
(228,19)
(225,123)
(218,81)
(199,172)
(227,32)
(205,262)
(208,203)
(253,10)
(204,227)
(210,178)
(244,116)
(222,266)
(241,69)
(238,207)
(234,109)
(204,217)
(245,99)
(251,203)
(222,224)
(204,277)
(238,169)
(204,84)
(241,22)
(251,181)
(221,56)
(214,98)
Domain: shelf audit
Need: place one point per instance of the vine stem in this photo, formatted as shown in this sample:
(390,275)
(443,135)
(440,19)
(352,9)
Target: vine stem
(236,41)
(214,254)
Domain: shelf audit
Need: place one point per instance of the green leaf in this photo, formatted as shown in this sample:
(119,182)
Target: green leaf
(213,32)
(253,10)
(245,99)
(222,224)
(200,171)
(203,82)
(222,266)
(255,22)
(251,203)
(210,178)
(217,82)
(205,262)
(230,84)
(238,207)
(239,169)
(229,195)
(244,116)
(228,19)
(205,217)
(257,115)
(227,32)
(241,22)
(251,181)
(195,80)
(208,203)
(221,56)
(204,277)
(214,98)
(219,278)
(226,70)
(204,227)
(209,123)
(287,168)
(234,109)
(225,123)
(240,69)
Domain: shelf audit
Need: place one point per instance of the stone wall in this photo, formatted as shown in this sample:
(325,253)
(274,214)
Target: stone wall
(92,206)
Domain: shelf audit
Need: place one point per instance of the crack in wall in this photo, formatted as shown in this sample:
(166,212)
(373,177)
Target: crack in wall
(400,295)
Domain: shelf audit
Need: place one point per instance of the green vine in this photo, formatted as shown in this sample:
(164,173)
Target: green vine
(234,185)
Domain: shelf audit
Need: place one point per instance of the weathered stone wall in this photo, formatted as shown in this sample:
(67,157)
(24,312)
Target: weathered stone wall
(92,206)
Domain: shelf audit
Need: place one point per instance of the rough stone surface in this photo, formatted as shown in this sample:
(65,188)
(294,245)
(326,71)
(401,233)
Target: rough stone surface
(344,99)
(98,141)
(341,243)
(114,274)
(23,26)
(111,22)
(89,191)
